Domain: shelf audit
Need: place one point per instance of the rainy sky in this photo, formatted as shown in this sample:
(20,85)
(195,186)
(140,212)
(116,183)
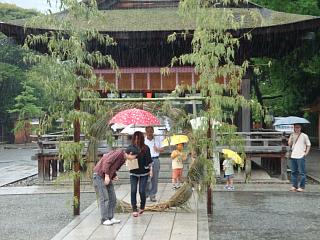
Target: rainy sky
(40,5)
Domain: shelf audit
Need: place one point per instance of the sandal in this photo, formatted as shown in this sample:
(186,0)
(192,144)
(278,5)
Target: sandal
(135,214)
(293,189)
(300,190)
(141,211)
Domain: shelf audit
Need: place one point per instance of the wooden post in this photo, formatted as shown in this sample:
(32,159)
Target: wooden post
(46,166)
(319,129)
(209,190)
(245,120)
(248,168)
(40,167)
(76,163)
(284,175)
(54,167)
(284,161)
(245,112)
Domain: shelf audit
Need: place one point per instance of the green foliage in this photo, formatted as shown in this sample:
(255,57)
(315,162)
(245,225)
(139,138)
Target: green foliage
(12,12)
(291,83)
(10,86)
(213,56)
(12,53)
(68,150)
(307,7)
(66,74)
(25,107)
(12,67)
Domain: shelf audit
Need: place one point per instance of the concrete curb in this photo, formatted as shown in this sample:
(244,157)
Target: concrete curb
(20,146)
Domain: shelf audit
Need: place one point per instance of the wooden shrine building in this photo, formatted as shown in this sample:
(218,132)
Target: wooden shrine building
(141,28)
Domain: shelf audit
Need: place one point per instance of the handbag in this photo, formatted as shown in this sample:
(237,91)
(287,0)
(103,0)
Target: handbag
(132,164)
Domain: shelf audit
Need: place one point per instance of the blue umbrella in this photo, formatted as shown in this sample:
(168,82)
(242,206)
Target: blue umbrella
(291,120)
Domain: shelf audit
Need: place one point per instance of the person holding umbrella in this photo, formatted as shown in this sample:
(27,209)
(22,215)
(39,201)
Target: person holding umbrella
(300,146)
(140,175)
(178,157)
(154,144)
(230,158)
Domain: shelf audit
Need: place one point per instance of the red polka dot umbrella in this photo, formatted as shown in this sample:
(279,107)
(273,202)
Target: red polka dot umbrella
(135,116)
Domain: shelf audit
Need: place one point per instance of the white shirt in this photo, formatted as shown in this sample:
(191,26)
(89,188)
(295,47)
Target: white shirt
(299,146)
(156,141)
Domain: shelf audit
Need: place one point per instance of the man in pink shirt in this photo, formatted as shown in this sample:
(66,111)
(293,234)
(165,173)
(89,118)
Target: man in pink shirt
(104,173)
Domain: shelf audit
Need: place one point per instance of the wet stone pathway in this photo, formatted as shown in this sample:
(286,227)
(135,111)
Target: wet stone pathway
(265,215)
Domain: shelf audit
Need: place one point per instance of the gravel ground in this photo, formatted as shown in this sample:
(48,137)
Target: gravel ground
(37,216)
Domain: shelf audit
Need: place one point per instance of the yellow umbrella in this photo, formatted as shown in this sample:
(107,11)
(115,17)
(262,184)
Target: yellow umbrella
(174,140)
(233,155)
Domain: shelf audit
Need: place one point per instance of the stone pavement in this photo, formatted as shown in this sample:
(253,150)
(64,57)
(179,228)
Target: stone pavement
(175,224)
(313,164)
(16,162)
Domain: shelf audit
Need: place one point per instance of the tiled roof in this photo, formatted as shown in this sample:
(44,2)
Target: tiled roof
(167,19)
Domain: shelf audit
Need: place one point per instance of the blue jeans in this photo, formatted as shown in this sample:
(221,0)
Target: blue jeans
(107,197)
(298,169)
(152,187)
(142,191)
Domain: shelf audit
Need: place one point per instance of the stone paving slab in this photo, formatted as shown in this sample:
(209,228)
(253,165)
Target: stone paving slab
(16,172)
(175,224)
(313,164)
(16,164)
(36,189)
(267,187)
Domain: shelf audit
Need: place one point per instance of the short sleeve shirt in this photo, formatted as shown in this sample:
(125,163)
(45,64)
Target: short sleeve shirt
(177,162)
(228,164)
(156,141)
(299,145)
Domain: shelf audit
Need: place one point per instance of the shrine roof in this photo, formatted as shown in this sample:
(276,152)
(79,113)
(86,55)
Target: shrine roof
(167,19)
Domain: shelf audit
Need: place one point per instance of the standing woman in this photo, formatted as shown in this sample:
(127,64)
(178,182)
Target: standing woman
(141,174)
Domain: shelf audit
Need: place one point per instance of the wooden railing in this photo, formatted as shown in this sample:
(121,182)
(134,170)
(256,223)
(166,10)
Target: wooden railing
(49,163)
(271,147)
(256,144)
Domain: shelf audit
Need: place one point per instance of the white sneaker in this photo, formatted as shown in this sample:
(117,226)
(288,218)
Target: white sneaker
(115,221)
(107,222)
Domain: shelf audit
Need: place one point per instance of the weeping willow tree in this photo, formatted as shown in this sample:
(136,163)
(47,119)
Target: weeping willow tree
(213,56)
(65,70)
(67,74)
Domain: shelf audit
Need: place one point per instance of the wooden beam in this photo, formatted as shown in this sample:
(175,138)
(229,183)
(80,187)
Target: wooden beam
(145,99)
(146,70)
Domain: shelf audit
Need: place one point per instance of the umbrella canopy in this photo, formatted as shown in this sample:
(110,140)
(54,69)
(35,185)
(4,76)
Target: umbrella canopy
(291,120)
(233,155)
(130,129)
(117,126)
(174,140)
(135,116)
(200,122)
